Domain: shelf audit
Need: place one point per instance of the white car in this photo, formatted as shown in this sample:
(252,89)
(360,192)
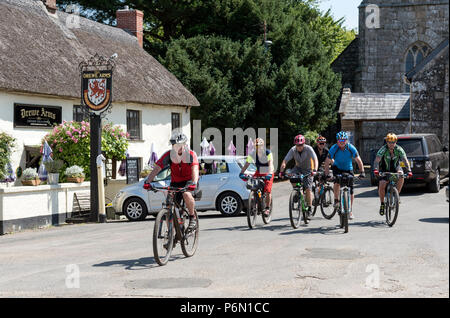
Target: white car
(221,187)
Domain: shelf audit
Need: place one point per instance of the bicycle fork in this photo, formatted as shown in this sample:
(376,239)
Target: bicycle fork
(345,195)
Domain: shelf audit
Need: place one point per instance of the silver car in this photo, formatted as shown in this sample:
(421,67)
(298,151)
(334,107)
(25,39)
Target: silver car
(221,187)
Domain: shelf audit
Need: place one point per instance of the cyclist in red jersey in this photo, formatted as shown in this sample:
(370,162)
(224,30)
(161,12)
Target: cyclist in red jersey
(184,168)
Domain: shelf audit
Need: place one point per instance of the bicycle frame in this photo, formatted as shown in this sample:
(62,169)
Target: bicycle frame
(174,208)
(344,192)
(300,188)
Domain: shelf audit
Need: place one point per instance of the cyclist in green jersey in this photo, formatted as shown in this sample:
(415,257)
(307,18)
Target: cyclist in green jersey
(388,160)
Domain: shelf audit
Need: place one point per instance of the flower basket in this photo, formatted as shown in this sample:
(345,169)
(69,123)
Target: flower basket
(30,177)
(75,179)
(34,182)
(75,174)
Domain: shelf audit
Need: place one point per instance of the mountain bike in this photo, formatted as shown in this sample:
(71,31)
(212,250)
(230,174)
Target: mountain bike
(257,200)
(391,198)
(297,202)
(171,227)
(344,204)
(323,196)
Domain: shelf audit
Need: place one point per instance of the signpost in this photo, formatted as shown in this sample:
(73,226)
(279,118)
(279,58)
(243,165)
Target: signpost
(96,95)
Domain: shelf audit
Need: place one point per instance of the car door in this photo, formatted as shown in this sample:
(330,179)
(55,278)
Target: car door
(213,175)
(443,156)
(156,199)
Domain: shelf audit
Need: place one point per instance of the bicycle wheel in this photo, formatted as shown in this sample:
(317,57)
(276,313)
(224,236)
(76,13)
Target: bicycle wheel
(267,219)
(252,210)
(326,203)
(189,241)
(294,208)
(392,206)
(345,212)
(163,237)
(316,200)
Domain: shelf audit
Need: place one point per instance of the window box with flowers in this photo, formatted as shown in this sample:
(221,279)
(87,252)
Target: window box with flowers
(30,177)
(75,174)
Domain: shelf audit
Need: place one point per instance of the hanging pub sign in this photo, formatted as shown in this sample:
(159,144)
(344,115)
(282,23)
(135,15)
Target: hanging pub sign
(36,116)
(96,84)
(96,87)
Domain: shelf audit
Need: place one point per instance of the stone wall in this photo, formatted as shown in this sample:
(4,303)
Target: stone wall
(347,64)
(370,135)
(430,98)
(382,51)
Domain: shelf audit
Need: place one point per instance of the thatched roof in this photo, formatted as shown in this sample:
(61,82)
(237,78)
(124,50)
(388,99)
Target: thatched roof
(40,54)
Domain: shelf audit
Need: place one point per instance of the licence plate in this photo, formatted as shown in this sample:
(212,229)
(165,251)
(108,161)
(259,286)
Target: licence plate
(402,164)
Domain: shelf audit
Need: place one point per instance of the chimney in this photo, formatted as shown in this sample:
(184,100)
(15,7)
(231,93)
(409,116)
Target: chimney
(50,5)
(131,21)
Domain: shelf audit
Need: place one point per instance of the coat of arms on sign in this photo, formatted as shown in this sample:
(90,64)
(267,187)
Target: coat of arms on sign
(97,89)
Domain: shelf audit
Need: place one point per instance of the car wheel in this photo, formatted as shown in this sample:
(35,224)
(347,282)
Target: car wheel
(435,185)
(229,204)
(135,209)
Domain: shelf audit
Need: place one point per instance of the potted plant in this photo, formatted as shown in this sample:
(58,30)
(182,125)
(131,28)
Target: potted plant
(30,177)
(53,168)
(75,174)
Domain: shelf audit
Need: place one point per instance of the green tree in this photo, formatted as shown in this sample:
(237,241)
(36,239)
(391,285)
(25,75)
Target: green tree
(216,49)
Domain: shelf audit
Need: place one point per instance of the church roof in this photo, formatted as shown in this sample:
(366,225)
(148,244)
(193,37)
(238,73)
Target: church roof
(40,53)
(372,106)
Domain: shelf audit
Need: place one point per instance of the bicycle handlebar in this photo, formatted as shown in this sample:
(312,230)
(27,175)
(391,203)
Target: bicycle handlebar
(387,174)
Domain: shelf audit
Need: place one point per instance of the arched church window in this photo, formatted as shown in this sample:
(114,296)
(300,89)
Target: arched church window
(415,54)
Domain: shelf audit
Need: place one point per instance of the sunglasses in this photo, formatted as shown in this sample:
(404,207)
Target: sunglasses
(321,143)
(342,141)
(392,142)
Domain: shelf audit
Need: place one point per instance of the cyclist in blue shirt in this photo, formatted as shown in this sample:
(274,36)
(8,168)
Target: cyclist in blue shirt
(343,153)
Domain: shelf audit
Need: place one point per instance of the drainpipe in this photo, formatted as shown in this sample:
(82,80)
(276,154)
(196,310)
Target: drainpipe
(408,82)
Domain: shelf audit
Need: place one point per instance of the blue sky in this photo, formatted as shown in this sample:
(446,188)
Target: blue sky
(343,8)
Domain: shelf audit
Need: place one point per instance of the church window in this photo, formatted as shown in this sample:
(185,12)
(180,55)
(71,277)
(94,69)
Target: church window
(414,56)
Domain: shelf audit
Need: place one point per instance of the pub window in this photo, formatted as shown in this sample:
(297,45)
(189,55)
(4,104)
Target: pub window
(79,114)
(134,124)
(176,122)
(414,56)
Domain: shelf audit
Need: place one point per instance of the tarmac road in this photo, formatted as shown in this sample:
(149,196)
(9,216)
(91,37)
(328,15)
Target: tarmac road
(319,260)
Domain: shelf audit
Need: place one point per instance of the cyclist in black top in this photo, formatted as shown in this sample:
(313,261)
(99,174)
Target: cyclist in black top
(321,150)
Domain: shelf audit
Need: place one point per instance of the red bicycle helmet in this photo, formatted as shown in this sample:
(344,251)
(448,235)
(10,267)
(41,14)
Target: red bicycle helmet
(299,140)
(321,139)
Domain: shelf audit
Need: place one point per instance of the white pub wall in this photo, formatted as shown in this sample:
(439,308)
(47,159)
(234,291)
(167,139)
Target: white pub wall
(155,123)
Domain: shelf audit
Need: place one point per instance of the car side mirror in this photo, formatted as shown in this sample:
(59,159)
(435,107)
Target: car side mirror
(445,149)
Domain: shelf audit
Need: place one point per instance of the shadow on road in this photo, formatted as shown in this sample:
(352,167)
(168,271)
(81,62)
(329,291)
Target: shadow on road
(131,264)
(434,220)
(407,191)
(333,230)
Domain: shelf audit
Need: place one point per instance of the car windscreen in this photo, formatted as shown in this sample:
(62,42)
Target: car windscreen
(162,175)
(241,162)
(412,147)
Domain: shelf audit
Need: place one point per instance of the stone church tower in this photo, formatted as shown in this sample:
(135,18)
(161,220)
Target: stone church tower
(405,33)
(396,37)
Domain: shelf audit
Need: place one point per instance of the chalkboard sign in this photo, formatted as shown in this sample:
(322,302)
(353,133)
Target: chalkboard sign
(133,170)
